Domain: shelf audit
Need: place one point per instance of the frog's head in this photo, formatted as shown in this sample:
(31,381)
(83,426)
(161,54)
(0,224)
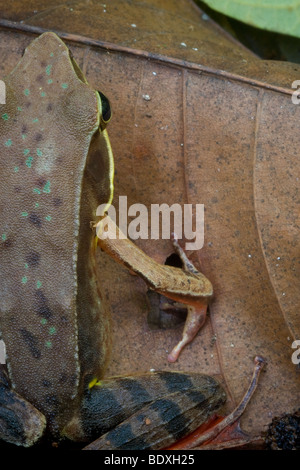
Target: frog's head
(50,105)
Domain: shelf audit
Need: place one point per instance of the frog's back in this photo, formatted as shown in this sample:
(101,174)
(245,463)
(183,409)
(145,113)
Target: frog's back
(45,132)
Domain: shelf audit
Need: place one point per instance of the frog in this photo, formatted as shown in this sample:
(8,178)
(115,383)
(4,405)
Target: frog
(57,167)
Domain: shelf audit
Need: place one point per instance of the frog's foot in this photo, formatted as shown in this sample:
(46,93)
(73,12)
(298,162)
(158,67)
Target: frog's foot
(194,321)
(196,314)
(20,422)
(187,264)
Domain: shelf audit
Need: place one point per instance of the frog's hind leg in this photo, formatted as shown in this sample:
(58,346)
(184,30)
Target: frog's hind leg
(20,422)
(146,411)
(187,285)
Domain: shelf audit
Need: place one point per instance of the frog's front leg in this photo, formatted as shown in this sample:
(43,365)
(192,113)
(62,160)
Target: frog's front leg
(20,422)
(186,285)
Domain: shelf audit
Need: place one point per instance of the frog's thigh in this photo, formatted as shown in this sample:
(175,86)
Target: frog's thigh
(148,411)
(20,422)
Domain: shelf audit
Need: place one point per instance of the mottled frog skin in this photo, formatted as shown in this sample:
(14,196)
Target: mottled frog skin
(56,168)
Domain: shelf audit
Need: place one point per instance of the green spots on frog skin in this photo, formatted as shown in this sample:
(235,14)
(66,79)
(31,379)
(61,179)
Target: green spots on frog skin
(16,169)
(48,69)
(5,117)
(24,214)
(46,188)
(26,92)
(39,152)
(51,332)
(24,280)
(38,285)
(51,54)
(64,85)
(8,143)
(35,120)
(3,237)
(26,152)
(24,136)
(50,81)
(43,94)
(29,162)
(48,218)
(26,266)
(19,108)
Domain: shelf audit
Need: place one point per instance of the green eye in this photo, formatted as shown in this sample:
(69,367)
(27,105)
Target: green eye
(106,111)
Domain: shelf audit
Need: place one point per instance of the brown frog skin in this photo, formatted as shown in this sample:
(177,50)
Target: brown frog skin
(56,168)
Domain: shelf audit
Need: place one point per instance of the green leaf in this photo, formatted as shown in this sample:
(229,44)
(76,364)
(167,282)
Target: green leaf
(281,16)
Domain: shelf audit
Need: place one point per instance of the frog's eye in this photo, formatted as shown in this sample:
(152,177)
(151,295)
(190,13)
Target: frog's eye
(106,111)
